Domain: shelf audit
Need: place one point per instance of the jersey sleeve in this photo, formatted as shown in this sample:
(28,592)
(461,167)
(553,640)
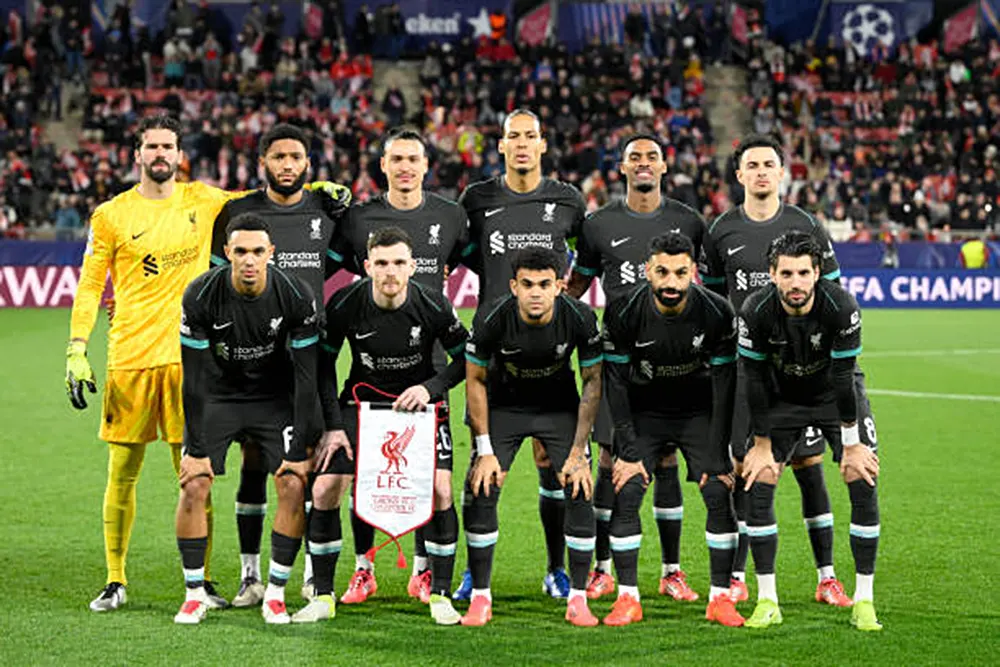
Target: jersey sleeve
(303,336)
(329,350)
(580,214)
(847,330)
(751,339)
(722,351)
(829,268)
(588,339)
(195,357)
(711,268)
(469,253)
(97,258)
(219,236)
(462,242)
(618,339)
(453,336)
(588,257)
(483,337)
(751,343)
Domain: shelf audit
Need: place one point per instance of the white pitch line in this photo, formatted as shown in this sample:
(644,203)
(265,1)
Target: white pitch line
(921,394)
(928,353)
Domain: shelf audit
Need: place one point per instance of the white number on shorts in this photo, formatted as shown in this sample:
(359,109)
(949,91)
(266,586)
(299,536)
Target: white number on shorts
(870,428)
(445,441)
(286,435)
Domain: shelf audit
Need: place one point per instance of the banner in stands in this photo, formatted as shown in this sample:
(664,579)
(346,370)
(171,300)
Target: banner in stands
(888,288)
(439,21)
(225,16)
(870,25)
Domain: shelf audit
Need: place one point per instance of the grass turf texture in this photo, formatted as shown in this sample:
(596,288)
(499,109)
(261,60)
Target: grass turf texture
(933,585)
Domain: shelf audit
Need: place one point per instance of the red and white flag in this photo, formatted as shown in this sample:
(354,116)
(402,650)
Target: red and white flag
(395,460)
(535,26)
(961,28)
(739,25)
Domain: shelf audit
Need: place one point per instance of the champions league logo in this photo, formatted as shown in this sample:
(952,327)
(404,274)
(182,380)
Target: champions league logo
(866,27)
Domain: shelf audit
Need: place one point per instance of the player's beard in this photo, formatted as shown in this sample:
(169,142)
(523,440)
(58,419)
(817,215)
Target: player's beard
(645,188)
(669,300)
(160,176)
(786,298)
(285,190)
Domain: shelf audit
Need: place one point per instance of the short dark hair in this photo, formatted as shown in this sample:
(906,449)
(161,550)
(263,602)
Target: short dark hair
(279,132)
(536,258)
(389,236)
(639,137)
(759,141)
(405,134)
(521,111)
(158,122)
(671,243)
(793,244)
(247,222)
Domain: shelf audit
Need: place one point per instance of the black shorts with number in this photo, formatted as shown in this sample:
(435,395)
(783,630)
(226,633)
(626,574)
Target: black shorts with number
(267,424)
(341,465)
(660,435)
(509,428)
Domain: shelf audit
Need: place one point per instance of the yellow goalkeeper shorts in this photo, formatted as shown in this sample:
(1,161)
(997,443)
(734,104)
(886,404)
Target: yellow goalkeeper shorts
(138,402)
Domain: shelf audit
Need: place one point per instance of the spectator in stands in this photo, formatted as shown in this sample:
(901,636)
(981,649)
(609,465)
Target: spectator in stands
(67,218)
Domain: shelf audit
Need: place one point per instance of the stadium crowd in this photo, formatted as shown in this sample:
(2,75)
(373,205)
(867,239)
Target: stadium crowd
(227,97)
(903,142)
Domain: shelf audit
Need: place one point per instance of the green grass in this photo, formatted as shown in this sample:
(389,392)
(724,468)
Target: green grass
(934,588)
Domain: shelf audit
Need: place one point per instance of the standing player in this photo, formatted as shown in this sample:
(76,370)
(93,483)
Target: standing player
(438,231)
(393,325)
(614,244)
(670,351)
(799,339)
(248,339)
(521,209)
(154,239)
(736,261)
(303,225)
(525,341)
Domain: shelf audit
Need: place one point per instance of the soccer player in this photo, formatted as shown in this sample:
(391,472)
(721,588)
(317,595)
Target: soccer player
(154,239)
(613,245)
(799,339)
(392,324)
(303,223)
(248,337)
(670,355)
(736,262)
(519,384)
(438,231)
(522,209)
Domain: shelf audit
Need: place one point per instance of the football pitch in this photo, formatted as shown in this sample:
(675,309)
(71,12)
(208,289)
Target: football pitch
(935,383)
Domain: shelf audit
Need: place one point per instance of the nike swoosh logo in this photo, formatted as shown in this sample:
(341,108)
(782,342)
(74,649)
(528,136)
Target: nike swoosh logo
(514,351)
(365,335)
(493,211)
(135,236)
(812,442)
(220,327)
(617,242)
(645,343)
(732,251)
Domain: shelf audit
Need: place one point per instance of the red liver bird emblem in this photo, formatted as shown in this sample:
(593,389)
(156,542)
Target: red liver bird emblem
(393,447)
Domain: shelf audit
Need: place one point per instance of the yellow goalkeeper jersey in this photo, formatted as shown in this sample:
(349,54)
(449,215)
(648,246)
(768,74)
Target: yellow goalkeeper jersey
(154,248)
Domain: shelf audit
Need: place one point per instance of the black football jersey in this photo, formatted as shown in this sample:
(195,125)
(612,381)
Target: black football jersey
(438,228)
(502,221)
(735,257)
(669,356)
(302,235)
(529,365)
(615,240)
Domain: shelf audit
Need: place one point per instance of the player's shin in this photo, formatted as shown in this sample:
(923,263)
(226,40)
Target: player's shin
(284,549)
(818,517)
(325,541)
(762,528)
(740,501)
(552,511)
(193,563)
(479,517)
(626,536)
(442,539)
(604,502)
(720,533)
(251,508)
(668,509)
(364,539)
(579,534)
(864,536)
(124,466)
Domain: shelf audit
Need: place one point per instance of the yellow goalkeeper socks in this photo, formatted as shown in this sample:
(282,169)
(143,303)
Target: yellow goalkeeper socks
(124,466)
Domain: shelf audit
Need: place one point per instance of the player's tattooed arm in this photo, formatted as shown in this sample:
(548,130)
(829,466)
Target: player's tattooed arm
(589,402)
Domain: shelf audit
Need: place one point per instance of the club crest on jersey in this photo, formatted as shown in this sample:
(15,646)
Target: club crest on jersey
(550,212)
(561,350)
(193,217)
(316,225)
(414,336)
(275,325)
(435,232)
(697,341)
(816,340)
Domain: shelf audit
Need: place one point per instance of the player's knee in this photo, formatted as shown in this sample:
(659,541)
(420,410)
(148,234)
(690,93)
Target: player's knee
(442,490)
(604,459)
(807,461)
(194,494)
(290,490)
(716,495)
(625,518)
(542,459)
(480,513)
(579,520)
(328,490)
(668,461)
